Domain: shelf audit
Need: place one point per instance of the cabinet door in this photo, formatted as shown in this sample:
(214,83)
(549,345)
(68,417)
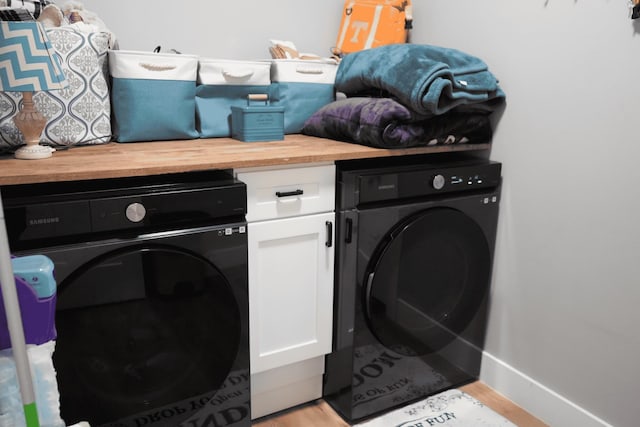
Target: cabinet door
(290,289)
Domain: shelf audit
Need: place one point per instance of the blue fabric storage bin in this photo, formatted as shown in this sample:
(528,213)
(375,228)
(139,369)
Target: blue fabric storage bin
(301,87)
(223,84)
(153,96)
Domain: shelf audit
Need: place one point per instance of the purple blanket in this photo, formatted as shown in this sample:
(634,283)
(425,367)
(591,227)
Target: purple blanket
(385,123)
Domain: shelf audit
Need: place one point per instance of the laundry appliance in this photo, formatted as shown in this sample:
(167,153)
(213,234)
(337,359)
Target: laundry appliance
(152,306)
(415,243)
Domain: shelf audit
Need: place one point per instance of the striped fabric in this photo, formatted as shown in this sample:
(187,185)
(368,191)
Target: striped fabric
(8,14)
(22,10)
(28,62)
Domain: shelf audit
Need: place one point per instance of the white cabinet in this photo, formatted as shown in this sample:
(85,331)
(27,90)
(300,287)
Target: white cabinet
(290,290)
(289,192)
(290,231)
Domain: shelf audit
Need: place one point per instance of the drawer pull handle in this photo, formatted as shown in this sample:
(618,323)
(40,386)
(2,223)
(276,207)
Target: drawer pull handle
(289,193)
(329,241)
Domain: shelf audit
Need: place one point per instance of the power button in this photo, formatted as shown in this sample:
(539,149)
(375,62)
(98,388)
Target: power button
(135,212)
(438,182)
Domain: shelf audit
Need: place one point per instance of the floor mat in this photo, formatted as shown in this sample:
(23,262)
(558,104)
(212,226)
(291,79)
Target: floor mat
(452,408)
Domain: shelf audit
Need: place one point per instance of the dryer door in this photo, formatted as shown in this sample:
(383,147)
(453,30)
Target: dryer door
(426,281)
(145,333)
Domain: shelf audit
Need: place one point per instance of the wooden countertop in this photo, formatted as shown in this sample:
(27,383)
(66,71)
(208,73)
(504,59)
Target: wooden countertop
(116,160)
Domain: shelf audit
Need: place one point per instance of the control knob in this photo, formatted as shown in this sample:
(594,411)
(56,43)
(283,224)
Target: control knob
(438,182)
(135,212)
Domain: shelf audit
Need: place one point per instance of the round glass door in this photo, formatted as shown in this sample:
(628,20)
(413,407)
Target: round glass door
(141,329)
(426,281)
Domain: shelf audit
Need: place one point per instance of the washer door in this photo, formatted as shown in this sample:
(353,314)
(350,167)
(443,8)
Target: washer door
(144,329)
(426,281)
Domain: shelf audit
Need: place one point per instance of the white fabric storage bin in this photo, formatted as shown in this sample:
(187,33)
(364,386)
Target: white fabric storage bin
(223,84)
(232,72)
(302,87)
(153,95)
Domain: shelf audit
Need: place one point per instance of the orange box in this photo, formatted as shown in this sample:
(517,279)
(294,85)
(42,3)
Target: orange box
(372,23)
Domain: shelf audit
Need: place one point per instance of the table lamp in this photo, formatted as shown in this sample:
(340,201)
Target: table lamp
(28,63)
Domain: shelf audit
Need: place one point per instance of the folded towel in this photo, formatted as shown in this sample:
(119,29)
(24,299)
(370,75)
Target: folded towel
(385,123)
(429,80)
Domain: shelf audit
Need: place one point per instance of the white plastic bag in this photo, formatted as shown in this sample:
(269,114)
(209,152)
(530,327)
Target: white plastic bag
(45,387)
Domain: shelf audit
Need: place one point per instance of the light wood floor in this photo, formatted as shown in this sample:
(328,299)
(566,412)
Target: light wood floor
(320,414)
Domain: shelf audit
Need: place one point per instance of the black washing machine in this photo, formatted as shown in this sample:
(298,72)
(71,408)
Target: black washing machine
(415,243)
(152,305)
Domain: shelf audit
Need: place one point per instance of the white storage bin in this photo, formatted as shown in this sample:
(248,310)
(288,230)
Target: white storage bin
(153,95)
(302,87)
(223,84)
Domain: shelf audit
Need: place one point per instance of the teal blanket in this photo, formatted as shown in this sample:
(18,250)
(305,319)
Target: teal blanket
(429,80)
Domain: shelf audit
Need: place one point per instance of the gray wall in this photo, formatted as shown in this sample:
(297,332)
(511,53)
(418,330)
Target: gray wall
(238,29)
(566,289)
(566,295)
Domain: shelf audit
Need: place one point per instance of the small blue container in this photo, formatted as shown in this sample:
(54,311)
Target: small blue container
(257,122)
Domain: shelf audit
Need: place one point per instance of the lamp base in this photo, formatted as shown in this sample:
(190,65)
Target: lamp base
(31,123)
(33,152)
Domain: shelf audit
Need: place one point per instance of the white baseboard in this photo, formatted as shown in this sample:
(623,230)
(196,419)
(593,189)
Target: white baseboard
(286,386)
(535,398)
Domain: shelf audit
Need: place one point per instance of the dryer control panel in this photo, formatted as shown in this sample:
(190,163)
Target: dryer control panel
(410,181)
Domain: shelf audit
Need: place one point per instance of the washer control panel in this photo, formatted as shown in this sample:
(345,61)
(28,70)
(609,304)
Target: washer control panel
(62,211)
(477,179)
(421,180)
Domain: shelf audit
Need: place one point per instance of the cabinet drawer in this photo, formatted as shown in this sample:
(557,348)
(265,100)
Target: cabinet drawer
(289,192)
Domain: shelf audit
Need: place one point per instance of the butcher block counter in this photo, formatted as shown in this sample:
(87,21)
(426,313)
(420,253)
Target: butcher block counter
(116,160)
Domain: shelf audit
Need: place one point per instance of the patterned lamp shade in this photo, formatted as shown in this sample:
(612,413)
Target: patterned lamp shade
(28,62)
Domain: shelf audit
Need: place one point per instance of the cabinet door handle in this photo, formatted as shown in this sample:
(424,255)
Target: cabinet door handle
(349,230)
(289,193)
(329,241)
